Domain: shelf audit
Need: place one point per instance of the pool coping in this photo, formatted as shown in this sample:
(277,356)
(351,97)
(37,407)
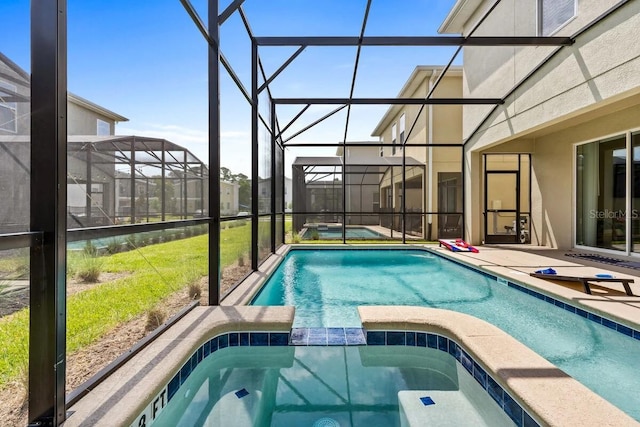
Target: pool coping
(544,392)
(126,393)
(548,394)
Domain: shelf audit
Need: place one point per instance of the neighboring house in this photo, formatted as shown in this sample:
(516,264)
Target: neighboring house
(229,201)
(562,154)
(99,164)
(362,182)
(288,193)
(434,186)
(87,118)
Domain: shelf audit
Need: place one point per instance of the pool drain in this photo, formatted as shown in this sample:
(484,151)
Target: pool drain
(326,422)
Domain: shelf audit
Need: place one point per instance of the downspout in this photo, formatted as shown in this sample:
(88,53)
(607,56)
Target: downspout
(430,160)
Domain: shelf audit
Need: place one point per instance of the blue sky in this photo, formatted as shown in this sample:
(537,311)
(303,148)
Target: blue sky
(146,61)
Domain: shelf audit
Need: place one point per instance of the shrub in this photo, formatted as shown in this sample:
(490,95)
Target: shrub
(195,291)
(155,318)
(315,235)
(90,248)
(295,237)
(113,247)
(131,241)
(89,268)
(21,264)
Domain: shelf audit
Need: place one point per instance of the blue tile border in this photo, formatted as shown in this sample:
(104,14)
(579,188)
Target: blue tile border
(346,336)
(231,339)
(507,403)
(611,324)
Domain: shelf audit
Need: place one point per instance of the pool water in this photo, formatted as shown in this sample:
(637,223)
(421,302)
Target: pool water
(336,233)
(326,286)
(345,386)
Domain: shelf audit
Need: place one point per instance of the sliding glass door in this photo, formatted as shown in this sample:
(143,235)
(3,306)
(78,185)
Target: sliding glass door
(601,194)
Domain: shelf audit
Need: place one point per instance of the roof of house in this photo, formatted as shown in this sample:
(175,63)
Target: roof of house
(85,103)
(458,16)
(78,100)
(419,74)
(340,148)
(367,161)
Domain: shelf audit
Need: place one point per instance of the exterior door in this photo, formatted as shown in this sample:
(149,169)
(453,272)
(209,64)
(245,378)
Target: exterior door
(502,207)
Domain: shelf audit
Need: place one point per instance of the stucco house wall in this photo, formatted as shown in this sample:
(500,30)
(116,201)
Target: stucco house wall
(581,93)
(437,124)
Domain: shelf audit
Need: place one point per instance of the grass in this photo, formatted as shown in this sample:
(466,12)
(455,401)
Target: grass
(89,268)
(16,267)
(156,272)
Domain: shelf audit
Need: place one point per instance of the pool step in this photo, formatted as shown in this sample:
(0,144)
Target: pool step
(327,336)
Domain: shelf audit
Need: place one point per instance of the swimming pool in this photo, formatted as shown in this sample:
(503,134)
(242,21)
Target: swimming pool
(331,386)
(331,233)
(325,286)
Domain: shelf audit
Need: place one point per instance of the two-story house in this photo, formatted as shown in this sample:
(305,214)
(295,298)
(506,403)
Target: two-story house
(561,156)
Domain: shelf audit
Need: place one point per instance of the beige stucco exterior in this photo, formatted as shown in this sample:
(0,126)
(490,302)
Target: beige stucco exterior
(229,198)
(435,124)
(584,92)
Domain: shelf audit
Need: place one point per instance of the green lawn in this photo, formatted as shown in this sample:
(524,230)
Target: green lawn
(155,272)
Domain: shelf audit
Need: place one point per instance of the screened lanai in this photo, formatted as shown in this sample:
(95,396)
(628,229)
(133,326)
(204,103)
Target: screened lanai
(255,114)
(110,180)
(130,179)
(367,189)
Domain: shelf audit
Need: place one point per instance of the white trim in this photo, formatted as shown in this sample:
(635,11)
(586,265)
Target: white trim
(104,122)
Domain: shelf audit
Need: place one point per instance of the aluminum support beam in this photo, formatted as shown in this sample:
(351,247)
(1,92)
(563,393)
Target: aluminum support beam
(272,113)
(229,11)
(195,18)
(48,311)
(281,68)
(297,116)
(388,101)
(414,41)
(214,156)
(326,116)
(254,156)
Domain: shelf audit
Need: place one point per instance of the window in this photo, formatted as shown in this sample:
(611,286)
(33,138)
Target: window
(381,147)
(402,130)
(601,193)
(104,128)
(553,14)
(8,110)
(394,131)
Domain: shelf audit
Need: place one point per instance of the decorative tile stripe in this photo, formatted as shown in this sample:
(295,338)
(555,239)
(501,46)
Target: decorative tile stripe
(231,339)
(423,339)
(612,324)
(327,336)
